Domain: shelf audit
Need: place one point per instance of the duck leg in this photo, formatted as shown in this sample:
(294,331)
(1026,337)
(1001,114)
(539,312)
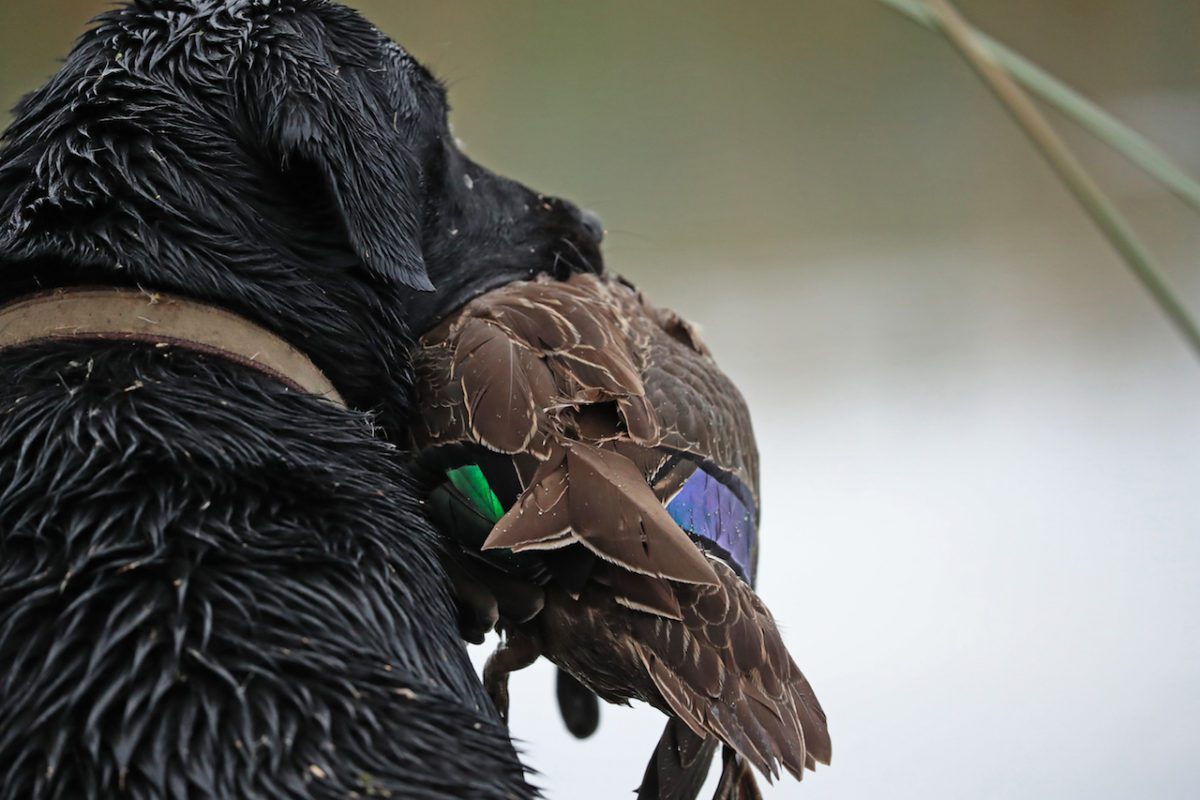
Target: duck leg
(679,765)
(737,781)
(518,650)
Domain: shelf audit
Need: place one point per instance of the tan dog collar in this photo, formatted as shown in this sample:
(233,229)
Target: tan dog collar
(137,316)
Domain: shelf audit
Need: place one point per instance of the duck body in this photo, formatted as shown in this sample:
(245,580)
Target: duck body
(603,487)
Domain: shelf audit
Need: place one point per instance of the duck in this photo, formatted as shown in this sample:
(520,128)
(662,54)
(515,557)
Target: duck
(597,476)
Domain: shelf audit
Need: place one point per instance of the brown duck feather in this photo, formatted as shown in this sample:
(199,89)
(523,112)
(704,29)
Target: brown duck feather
(721,668)
(597,498)
(600,342)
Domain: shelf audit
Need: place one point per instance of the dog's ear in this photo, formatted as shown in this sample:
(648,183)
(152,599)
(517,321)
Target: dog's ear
(323,99)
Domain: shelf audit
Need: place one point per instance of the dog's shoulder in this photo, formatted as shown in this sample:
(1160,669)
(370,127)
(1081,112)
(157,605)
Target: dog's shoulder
(210,579)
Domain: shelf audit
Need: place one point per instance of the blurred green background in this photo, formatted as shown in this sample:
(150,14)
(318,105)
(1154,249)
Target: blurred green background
(695,124)
(981,444)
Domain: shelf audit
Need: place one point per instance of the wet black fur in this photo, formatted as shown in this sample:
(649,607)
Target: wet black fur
(211,586)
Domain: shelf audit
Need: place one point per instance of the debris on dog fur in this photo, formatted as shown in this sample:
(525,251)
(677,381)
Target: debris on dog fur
(317,772)
(369,784)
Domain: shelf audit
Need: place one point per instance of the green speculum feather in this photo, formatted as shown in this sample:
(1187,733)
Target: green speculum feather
(471,483)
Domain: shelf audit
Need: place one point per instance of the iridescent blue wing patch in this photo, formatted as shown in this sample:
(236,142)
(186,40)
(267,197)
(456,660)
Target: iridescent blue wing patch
(708,509)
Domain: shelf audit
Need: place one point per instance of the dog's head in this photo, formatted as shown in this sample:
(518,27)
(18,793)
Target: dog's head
(282,158)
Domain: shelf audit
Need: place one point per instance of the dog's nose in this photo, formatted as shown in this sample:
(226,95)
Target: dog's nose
(595,226)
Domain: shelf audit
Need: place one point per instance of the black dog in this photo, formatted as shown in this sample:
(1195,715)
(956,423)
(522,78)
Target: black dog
(211,585)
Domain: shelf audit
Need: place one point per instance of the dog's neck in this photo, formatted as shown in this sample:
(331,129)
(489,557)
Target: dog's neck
(165,321)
